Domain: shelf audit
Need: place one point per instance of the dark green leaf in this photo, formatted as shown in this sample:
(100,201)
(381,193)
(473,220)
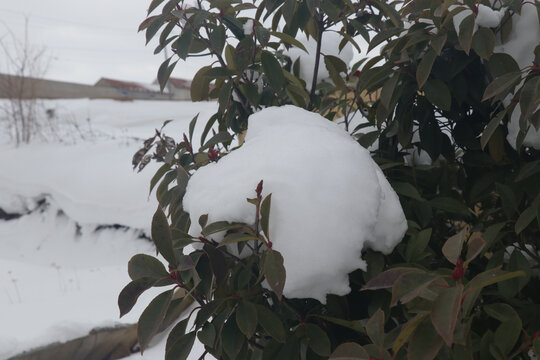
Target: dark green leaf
(483,42)
(490,277)
(232,339)
(407,331)
(152,317)
(271,323)
(466,28)
(425,342)
(219,226)
(131,292)
(274,271)
(424,68)
(146,266)
(183,43)
(318,340)
(273,71)
(200,85)
(181,348)
(289,40)
(246,318)
(406,189)
(445,312)
(501,84)
(349,351)
(265,215)
(530,97)
(161,235)
(449,204)
(221,137)
(217,39)
(236,238)
(388,90)
(525,218)
(438,94)
(375,328)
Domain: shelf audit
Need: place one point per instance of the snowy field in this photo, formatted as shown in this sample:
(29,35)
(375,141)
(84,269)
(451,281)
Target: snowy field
(78,213)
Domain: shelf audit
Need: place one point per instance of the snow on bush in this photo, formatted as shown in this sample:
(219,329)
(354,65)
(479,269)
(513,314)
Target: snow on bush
(329,199)
(329,46)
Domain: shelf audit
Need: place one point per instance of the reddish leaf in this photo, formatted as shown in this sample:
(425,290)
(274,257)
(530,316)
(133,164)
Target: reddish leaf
(375,328)
(387,278)
(445,312)
(452,247)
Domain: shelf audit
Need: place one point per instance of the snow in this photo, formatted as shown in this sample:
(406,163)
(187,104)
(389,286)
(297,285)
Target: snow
(329,46)
(248,27)
(83,213)
(329,199)
(488,17)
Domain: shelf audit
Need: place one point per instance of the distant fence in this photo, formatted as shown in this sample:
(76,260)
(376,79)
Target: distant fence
(32,88)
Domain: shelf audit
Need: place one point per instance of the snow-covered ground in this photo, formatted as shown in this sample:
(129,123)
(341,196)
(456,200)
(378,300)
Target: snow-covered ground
(84,213)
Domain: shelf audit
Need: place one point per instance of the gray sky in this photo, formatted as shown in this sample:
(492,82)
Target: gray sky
(88,39)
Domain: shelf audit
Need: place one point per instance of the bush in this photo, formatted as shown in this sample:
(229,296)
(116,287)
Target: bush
(460,284)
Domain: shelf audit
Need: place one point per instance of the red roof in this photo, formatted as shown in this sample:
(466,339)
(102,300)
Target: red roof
(128,85)
(180,83)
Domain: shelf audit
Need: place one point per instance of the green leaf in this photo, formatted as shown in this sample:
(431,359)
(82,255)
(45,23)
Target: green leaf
(177,332)
(355,325)
(417,244)
(219,226)
(271,323)
(388,278)
(536,346)
(530,97)
(246,318)
(490,128)
(474,247)
(425,342)
(152,317)
(453,246)
(449,204)
(318,340)
(466,28)
(438,94)
(525,218)
(236,238)
(273,71)
(437,43)
(335,67)
(262,34)
(375,328)
(410,285)
(217,39)
(164,73)
(161,235)
(490,277)
(349,351)
(153,26)
(183,43)
(274,271)
(424,68)
(406,189)
(388,90)
(181,348)
(232,339)
(207,335)
(483,42)
(501,84)
(389,11)
(407,331)
(158,175)
(445,312)
(131,292)
(182,177)
(510,329)
(502,63)
(289,40)
(265,215)
(200,85)
(146,266)
(222,137)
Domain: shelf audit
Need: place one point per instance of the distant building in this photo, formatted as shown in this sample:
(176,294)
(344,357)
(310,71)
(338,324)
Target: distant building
(132,90)
(179,89)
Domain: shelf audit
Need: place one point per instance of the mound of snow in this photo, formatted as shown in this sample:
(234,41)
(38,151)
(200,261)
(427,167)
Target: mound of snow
(329,199)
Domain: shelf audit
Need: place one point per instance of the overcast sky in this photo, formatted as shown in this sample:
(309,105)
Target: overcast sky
(88,39)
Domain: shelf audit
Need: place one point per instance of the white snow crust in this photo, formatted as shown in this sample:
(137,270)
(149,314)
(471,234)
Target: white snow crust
(329,199)
(83,213)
